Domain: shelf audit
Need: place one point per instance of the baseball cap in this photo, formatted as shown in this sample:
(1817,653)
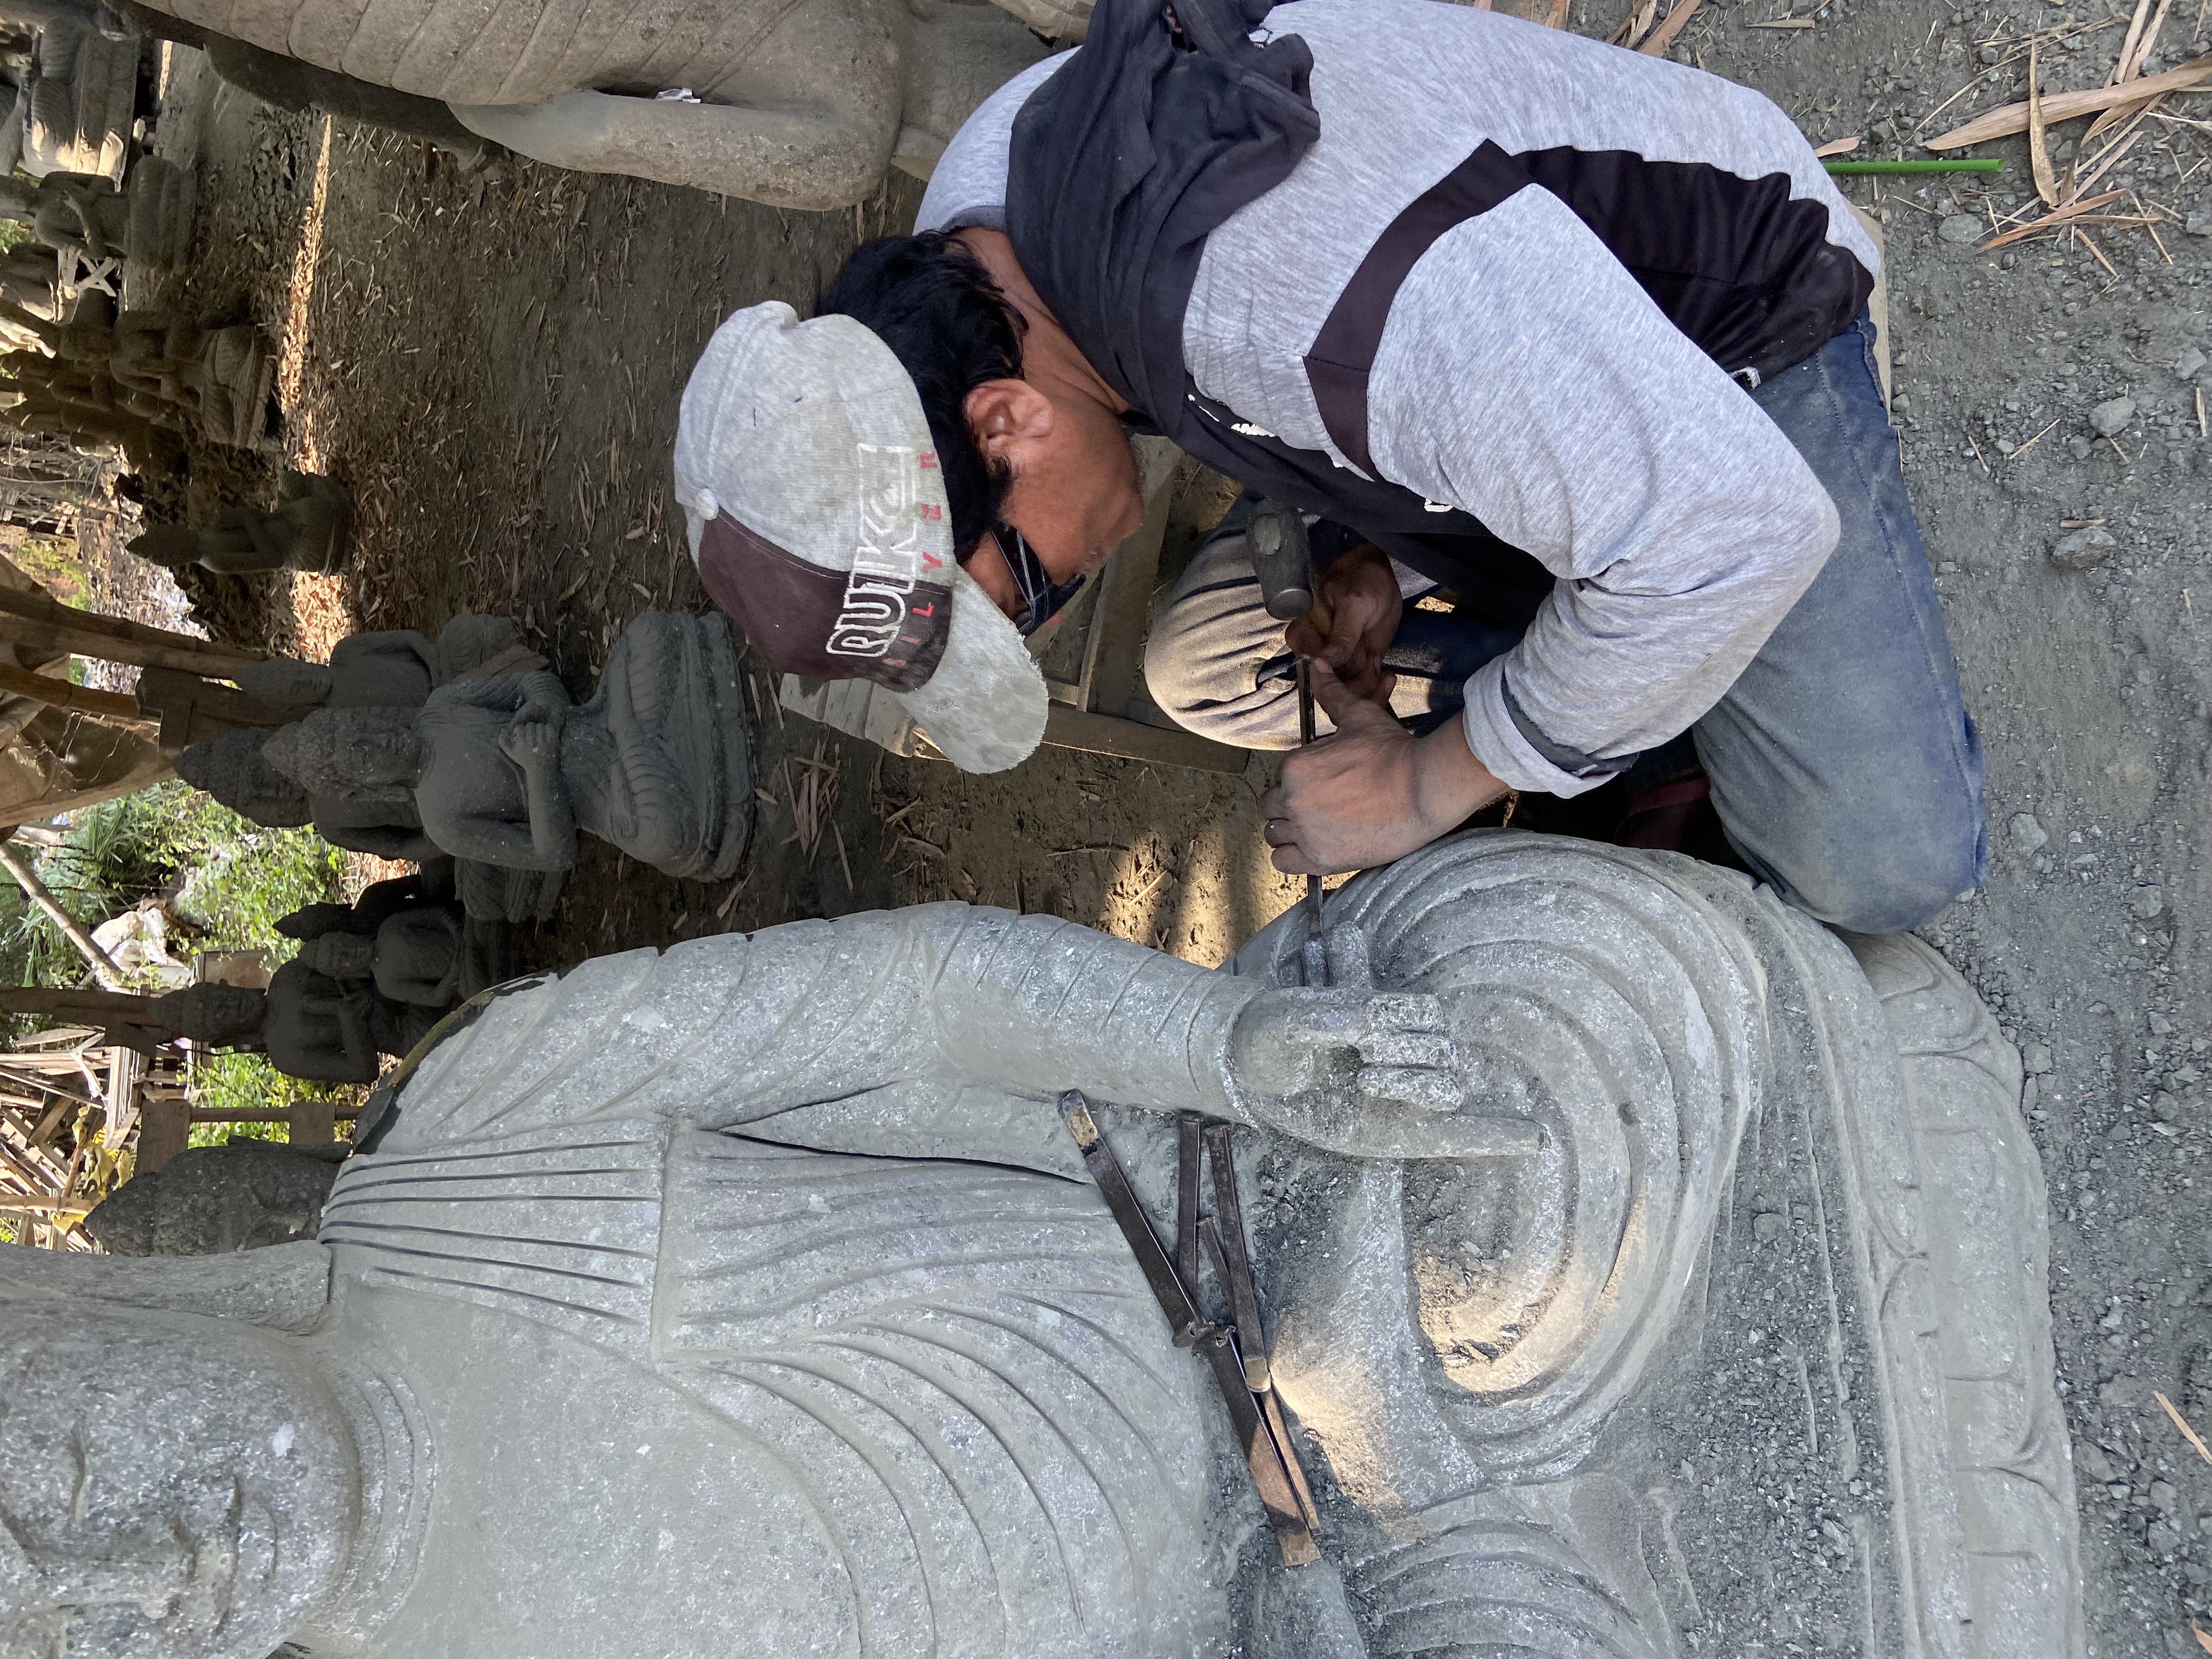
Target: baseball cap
(816,507)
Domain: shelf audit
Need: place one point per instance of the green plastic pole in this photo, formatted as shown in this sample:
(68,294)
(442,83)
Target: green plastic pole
(1972,164)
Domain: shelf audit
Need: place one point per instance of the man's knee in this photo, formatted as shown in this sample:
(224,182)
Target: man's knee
(1894,877)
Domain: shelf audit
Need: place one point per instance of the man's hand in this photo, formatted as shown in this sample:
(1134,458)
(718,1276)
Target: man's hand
(1370,791)
(1360,593)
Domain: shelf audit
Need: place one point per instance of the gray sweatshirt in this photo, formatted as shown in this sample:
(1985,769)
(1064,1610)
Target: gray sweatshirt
(1523,374)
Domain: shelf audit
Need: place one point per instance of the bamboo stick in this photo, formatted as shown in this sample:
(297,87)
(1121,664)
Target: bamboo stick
(2002,123)
(79,699)
(103,965)
(43,608)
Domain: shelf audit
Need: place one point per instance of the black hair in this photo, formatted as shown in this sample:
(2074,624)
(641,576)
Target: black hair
(934,304)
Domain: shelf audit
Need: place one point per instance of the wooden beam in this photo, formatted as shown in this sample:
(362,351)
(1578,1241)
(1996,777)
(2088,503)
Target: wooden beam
(1101,734)
(47,612)
(165,1129)
(78,699)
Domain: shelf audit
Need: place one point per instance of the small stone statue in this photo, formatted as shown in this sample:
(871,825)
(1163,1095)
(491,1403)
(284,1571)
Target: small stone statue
(336,1030)
(775,1248)
(392,668)
(81,94)
(210,1200)
(149,219)
(311,530)
(504,769)
(153,366)
(371,979)
(27,281)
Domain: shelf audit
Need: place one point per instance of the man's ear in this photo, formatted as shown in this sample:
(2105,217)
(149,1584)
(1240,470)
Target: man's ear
(1009,420)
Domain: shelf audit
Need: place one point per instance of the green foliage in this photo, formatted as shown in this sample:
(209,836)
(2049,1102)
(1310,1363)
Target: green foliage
(227,878)
(235,1081)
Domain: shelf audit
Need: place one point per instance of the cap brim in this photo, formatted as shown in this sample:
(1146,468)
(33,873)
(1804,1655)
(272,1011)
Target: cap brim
(985,707)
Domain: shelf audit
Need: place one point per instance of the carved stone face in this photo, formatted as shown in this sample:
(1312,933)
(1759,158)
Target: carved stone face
(173,1486)
(354,754)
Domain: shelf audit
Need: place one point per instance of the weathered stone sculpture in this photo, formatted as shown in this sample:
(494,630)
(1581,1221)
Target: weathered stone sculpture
(151,367)
(81,94)
(1645,1277)
(150,218)
(504,770)
(27,281)
(395,668)
(311,530)
(213,1199)
(371,979)
(802,106)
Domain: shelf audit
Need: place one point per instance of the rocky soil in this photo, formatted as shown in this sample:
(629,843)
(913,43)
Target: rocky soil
(493,362)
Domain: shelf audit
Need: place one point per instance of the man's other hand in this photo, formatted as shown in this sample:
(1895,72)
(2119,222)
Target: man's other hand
(1370,791)
(1360,593)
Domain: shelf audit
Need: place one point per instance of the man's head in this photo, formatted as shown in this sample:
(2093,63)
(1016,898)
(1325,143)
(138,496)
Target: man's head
(173,1485)
(1029,434)
(815,501)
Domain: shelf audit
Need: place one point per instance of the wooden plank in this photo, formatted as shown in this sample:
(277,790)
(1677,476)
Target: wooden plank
(315,1123)
(127,1072)
(165,1129)
(1101,734)
(258,1113)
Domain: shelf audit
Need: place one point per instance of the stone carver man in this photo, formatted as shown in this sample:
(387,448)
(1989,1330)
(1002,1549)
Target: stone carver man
(1577,336)
(751,1297)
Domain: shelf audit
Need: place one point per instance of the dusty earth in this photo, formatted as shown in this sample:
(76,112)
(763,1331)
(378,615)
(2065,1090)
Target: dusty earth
(493,364)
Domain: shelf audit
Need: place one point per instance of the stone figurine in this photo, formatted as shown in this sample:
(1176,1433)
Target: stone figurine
(1645,1273)
(504,769)
(150,365)
(801,106)
(370,980)
(311,530)
(150,218)
(80,96)
(209,1200)
(391,668)
(27,274)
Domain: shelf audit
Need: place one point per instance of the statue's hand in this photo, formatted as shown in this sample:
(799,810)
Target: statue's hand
(532,745)
(1366,1074)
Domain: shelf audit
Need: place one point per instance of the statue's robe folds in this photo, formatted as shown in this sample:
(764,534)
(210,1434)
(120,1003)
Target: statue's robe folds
(918,1394)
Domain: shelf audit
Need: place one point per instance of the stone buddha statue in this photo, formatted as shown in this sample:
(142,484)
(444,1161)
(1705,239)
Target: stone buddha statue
(504,769)
(388,668)
(310,529)
(754,1287)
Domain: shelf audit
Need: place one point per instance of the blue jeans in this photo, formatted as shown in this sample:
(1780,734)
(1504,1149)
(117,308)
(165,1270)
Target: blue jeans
(1844,765)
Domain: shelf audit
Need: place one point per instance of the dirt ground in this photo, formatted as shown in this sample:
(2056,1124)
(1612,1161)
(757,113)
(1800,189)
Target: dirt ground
(494,366)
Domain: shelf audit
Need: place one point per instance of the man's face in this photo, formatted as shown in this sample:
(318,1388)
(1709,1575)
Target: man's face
(171,1486)
(1075,494)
